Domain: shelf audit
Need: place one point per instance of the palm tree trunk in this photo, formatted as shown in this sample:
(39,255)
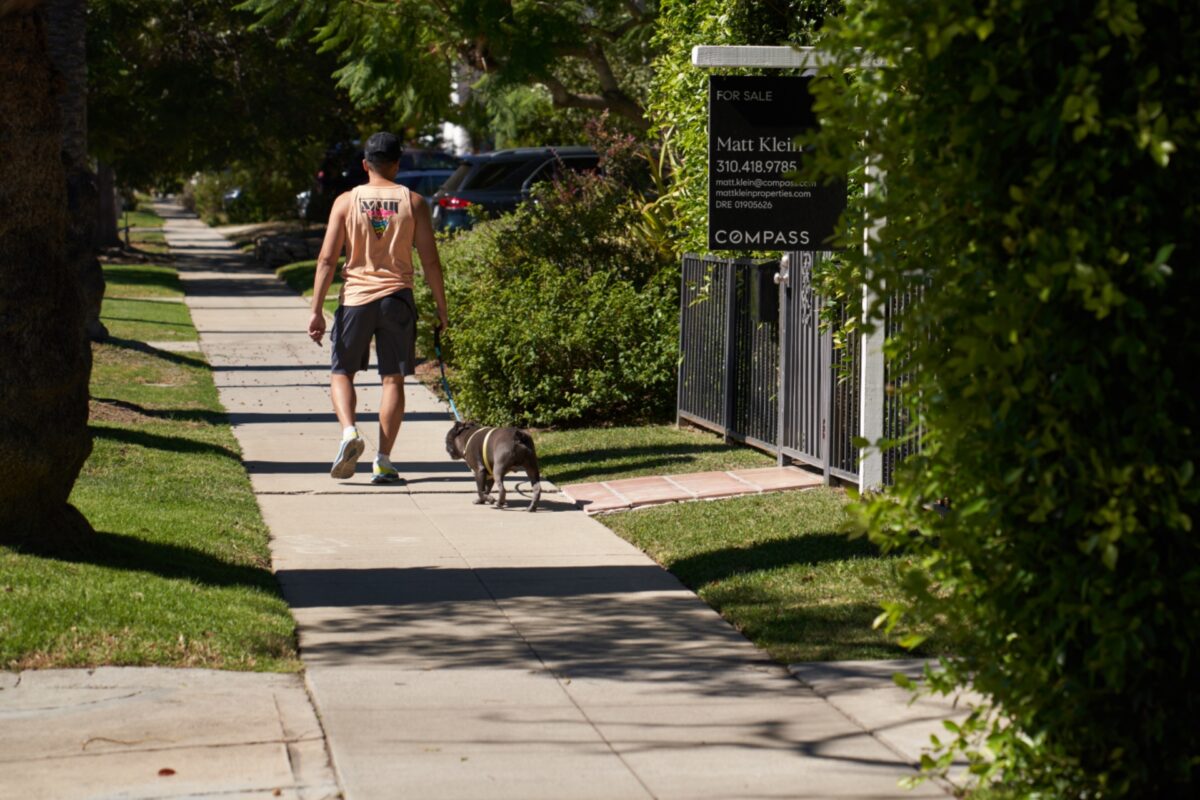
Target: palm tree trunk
(45,361)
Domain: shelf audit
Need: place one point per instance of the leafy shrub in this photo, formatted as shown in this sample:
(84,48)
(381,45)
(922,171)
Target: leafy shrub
(544,345)
(1042,171)
(559,315)
(263,195)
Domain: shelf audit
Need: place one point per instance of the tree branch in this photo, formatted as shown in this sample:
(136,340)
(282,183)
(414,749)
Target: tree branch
(616,101)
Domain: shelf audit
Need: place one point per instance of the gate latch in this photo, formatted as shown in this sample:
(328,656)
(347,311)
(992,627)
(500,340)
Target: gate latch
(785,269)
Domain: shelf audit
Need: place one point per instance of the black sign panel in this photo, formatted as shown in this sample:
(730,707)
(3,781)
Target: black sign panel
(753,125)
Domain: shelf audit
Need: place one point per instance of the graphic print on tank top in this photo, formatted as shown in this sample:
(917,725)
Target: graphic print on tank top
(379,213)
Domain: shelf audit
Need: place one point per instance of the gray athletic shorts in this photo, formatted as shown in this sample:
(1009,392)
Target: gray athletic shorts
(391,320)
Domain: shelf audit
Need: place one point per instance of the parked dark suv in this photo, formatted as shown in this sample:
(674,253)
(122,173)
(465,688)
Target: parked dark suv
(497,182)
(341,170)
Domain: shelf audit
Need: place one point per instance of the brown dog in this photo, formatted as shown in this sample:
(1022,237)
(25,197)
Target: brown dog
(491,453)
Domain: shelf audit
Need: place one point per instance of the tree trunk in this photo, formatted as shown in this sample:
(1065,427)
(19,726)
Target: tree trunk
(45,362)
(108,233)
(66,43)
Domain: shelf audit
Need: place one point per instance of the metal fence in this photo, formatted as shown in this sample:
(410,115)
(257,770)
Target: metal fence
(897,421)
(759,366)
(729,345)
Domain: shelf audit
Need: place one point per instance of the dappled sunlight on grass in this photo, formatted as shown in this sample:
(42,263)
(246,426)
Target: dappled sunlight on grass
(778,568)
(595,454)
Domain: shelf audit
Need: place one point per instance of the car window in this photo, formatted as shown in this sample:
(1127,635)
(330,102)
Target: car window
(429,183)
(425,183)
(554,168)
(490,175)
(456,179)
(427,159)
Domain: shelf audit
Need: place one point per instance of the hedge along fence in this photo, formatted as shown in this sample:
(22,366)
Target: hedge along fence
(559,314)
(1042,172)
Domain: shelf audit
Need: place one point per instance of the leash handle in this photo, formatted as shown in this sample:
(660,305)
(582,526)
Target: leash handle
(437,350)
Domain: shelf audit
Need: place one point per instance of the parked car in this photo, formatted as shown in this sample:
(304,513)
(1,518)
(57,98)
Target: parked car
(497,182)
(342,170)
(424,182)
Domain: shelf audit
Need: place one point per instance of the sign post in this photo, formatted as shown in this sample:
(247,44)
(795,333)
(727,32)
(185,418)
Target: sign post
(754,199)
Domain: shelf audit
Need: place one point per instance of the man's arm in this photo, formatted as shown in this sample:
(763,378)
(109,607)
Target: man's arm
(431,265)
(331,249)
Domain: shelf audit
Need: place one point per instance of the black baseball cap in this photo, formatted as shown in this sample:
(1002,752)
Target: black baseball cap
(382,148)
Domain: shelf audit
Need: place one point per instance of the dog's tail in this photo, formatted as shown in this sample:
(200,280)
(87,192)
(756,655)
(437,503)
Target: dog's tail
(523,439)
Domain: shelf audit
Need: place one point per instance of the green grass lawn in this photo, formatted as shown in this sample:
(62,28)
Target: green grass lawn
(143,217)
(299,275)
(149,239)
(179,572)
(776,565)
(147,319)
(601,454)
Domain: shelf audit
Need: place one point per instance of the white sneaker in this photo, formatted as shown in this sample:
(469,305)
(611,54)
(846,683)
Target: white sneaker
(347,458)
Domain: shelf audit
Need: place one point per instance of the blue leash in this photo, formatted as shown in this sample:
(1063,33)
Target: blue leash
(437,349)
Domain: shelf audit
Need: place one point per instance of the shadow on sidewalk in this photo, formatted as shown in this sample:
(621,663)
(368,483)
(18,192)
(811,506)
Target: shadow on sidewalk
(322,467)
(363,417)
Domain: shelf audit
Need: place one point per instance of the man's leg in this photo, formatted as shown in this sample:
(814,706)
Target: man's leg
(391,412)
(394,341)
(345,399)
(341,389)
(350,342)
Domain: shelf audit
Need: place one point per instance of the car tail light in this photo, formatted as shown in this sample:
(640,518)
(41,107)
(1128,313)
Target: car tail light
(320,174)
(453,203)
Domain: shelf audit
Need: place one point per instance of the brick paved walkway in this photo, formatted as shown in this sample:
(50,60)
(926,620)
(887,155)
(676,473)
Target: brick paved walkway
(619,495)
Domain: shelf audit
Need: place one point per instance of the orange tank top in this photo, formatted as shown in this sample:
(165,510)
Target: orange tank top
(379,236)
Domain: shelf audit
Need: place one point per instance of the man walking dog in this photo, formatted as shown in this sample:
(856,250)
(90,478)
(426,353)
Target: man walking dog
(378,224)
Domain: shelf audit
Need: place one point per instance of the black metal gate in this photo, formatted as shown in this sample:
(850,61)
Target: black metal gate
(729,346)
(758,366)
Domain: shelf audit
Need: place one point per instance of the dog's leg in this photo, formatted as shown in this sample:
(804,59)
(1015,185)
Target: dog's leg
(535,478)
(489,483)
(481,487)
(500,470)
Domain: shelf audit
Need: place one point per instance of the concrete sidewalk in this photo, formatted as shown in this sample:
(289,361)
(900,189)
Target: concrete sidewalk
(458,651)
(128,732)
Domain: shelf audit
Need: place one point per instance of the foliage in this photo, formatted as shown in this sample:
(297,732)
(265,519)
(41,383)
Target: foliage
(178,88)
(1042,172)
(559,315)
(520,116)
(400,55)
(678,102)
(261,193)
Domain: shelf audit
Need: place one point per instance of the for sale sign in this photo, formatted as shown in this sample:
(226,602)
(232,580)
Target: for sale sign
(756,129)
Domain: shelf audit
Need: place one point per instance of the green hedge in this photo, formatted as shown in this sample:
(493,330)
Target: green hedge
(1041,170)
(560,314)
(265,195)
